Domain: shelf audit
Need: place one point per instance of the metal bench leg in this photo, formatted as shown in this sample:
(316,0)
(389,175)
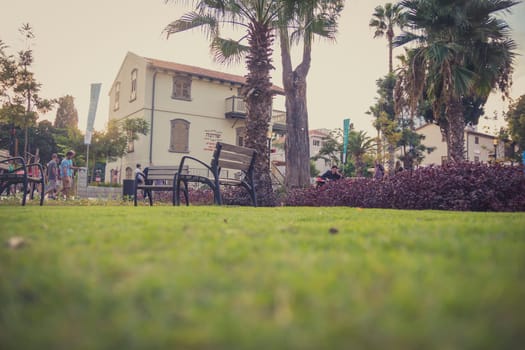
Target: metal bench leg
(186,194)
(150,197)
(42,193)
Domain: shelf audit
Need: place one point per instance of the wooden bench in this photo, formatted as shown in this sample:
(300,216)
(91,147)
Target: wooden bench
(156,178)
(29,175)
(230,166)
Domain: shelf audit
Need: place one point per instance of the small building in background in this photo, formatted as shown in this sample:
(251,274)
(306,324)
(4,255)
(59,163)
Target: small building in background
(479,147)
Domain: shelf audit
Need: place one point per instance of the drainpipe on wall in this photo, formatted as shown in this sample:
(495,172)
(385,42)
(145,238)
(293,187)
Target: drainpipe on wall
(152,115)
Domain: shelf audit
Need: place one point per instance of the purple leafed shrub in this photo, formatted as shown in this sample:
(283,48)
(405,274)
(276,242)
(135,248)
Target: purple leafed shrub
(199,196)
(463,186)
(204,196)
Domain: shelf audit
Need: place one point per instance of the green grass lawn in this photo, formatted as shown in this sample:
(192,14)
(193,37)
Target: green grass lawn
(119,277)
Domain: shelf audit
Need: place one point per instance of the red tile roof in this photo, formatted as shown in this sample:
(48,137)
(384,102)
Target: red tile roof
(204,73)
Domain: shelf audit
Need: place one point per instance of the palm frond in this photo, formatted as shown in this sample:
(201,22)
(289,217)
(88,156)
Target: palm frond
(193,20)
(228,51)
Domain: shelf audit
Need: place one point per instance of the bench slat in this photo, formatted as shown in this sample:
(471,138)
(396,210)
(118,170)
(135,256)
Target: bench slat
(242,158)
(237,149)
(233,165)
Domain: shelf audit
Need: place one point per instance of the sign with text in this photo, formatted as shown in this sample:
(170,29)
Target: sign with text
(211,137)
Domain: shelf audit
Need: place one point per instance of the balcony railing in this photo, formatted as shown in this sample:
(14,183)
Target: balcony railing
(278,121)
(235,107)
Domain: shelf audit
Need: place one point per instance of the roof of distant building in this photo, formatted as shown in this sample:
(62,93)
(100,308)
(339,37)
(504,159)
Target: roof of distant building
(468,129)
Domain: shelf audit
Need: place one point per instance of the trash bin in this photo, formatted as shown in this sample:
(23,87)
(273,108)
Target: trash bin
(127,189)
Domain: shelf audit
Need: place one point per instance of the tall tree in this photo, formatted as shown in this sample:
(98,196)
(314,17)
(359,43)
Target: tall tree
(463,50)
(386,122)
(515,118)
(384,20)
(20,101)
(300,22)
(67,115)
(257,18)
(359,144)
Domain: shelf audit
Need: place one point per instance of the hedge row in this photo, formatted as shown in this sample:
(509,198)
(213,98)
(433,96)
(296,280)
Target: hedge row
(463,186)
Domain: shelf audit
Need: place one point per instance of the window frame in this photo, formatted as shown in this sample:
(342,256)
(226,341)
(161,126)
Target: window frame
(134,78)
(181,125)
(181,87)
(116,103)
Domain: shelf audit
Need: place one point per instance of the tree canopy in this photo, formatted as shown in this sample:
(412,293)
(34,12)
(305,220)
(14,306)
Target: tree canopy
(515,118)
(67,115)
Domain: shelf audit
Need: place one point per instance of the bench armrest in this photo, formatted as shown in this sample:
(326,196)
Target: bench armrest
(183,160)
(40,168)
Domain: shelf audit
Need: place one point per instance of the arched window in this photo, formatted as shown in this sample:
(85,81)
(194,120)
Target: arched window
(133,95)
(180,136)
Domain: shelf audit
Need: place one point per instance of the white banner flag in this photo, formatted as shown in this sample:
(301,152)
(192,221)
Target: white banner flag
(93,102)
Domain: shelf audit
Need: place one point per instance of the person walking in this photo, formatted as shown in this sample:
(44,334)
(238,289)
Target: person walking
(66,173)
(52,177)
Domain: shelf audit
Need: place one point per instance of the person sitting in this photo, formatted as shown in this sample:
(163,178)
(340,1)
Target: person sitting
(379,171)
(330,175)
(398,168)
(140,176)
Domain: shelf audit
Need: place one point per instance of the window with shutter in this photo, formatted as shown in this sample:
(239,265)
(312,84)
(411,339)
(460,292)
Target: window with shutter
(116,105)
(180,136)
(133,95)
(181,88)
(241,135)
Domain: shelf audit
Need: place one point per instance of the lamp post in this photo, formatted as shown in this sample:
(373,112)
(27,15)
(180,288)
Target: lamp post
(495,142)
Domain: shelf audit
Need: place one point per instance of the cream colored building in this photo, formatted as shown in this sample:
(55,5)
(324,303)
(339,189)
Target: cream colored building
(317,139)
(479,147)
(188,109)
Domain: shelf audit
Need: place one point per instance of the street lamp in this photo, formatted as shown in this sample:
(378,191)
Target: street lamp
(495,142)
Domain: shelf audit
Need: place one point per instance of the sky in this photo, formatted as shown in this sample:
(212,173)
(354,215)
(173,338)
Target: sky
(83,42)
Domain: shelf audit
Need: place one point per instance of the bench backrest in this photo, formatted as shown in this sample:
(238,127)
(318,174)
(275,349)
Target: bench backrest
(161,172)
(4,154)
(229,156)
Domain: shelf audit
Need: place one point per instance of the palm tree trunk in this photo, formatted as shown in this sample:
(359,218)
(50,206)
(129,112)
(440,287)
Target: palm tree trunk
(297,145)
(259,105)
(455,132)
(390,35)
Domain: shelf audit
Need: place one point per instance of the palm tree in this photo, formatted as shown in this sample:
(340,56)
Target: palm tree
(385,117)
(384,20)
(359,144)
(463,51)
(300,22)
(257,18)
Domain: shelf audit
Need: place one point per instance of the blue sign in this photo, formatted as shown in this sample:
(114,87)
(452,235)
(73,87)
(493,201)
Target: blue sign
(346,131)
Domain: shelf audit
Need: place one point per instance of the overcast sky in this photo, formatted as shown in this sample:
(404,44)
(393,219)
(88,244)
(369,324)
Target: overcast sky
(83,42)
